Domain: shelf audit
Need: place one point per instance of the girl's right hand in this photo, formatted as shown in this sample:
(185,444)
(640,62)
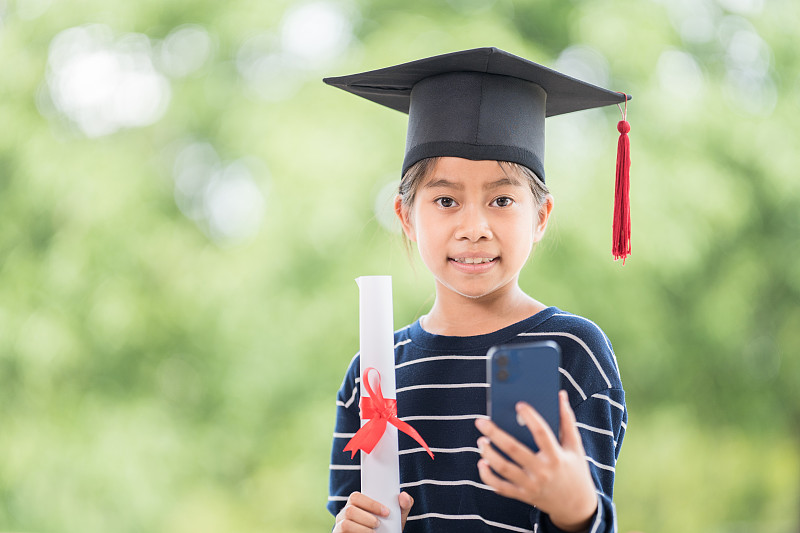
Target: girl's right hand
(360,513)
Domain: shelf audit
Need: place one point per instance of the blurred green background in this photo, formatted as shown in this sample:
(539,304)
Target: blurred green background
(185,206)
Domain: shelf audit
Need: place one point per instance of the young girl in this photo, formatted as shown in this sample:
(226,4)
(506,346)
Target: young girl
(473,200)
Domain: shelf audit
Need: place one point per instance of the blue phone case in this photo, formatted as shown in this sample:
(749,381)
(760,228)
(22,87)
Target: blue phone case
(523,372)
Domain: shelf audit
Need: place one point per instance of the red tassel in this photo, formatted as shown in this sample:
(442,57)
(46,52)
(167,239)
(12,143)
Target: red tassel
(622,210)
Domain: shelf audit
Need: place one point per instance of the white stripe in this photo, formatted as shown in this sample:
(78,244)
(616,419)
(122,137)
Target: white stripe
(624,425)
(337,498)
(609,400)
(349,402)
(457,483)
(439,450)
(429,386)
(443,358)
(445,386)
(470,517)
(595,429)
(579,341)
(605,337)
(344,467)
(343,435)
(401,343)
(358,379)
(574,383)
(600,465)
(445,417)
(590,322)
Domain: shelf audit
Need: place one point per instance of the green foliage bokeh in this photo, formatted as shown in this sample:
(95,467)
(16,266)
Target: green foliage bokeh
(156,378)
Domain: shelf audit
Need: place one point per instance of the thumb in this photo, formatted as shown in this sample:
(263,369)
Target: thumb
(406,502)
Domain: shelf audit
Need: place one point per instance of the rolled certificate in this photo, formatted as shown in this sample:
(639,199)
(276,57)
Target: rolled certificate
(380,470)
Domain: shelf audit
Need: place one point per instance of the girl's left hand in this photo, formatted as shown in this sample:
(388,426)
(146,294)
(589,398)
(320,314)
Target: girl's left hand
(556,479)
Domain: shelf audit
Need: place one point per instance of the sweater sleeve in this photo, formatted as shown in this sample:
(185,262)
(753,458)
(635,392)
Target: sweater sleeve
(601,419)
(345,472)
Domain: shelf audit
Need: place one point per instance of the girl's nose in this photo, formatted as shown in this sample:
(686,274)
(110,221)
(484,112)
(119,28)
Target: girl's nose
(473,225)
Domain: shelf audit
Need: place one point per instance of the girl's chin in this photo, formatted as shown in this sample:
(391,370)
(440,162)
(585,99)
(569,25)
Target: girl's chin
(474,292)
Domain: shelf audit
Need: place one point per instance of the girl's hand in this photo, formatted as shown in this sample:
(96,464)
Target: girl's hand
(360,513)
(556,479)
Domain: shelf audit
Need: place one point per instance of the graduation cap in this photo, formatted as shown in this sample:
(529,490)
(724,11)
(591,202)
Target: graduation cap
(485,103)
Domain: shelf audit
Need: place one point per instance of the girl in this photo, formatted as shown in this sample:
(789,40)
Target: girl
(473,200)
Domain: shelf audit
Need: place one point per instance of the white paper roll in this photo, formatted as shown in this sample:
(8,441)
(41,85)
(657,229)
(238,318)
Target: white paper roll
(380,470)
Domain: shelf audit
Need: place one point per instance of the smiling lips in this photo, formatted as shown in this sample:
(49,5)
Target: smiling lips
(473,265)
(473,260)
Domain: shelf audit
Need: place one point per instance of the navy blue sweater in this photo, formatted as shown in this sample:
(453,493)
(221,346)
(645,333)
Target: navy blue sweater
(441,390)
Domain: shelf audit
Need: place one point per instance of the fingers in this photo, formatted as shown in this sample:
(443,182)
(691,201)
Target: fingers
(406,502)
(518,452)
(570,436)
(542,434)
(368,504)
(500,485)
(509,471)
(360,514)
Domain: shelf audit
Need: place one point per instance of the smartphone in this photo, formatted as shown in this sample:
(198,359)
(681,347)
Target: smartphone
(523,372)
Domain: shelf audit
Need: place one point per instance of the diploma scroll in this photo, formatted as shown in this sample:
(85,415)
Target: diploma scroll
(380,469)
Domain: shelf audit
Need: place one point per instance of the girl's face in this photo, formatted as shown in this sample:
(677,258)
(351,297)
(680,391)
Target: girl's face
(474,226)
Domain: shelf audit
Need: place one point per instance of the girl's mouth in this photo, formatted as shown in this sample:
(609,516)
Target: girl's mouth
(473,260)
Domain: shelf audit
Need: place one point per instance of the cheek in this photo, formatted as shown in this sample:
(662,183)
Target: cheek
(523,232)
(422,225)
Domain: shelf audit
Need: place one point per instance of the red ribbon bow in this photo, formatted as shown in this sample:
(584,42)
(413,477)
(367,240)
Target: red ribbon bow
(378,410)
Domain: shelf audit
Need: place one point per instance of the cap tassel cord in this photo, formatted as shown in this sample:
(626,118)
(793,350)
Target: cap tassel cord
(622,212)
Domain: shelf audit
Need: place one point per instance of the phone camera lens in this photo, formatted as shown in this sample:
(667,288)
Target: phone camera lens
(502,374)
(502,360)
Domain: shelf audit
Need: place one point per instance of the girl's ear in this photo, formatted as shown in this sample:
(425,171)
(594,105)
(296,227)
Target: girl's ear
(404,216)
(544,215)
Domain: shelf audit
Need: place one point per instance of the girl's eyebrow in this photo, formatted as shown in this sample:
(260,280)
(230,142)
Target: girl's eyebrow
(502,182)
(444,183)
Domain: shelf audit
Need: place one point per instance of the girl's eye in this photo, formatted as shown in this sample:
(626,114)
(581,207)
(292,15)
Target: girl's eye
(503,201)
(445,202)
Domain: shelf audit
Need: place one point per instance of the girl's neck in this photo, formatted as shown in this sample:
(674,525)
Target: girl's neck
(459,316)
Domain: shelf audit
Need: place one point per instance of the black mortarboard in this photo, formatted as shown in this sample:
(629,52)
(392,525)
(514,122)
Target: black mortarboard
(477,104)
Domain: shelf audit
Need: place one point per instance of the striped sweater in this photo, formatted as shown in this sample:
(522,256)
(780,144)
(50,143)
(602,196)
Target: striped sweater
(441,390)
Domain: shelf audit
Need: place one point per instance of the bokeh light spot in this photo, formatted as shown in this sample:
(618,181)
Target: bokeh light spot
(680,76)
(315,32)
(103,85)
(268,72)
(384,207)
(748,85)
(222,198)
(585,63)
(185,50)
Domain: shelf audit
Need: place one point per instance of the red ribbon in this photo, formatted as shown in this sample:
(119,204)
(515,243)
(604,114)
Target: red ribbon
(378,410)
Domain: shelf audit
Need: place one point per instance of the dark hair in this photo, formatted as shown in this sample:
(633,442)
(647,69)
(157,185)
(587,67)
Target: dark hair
(420,170)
